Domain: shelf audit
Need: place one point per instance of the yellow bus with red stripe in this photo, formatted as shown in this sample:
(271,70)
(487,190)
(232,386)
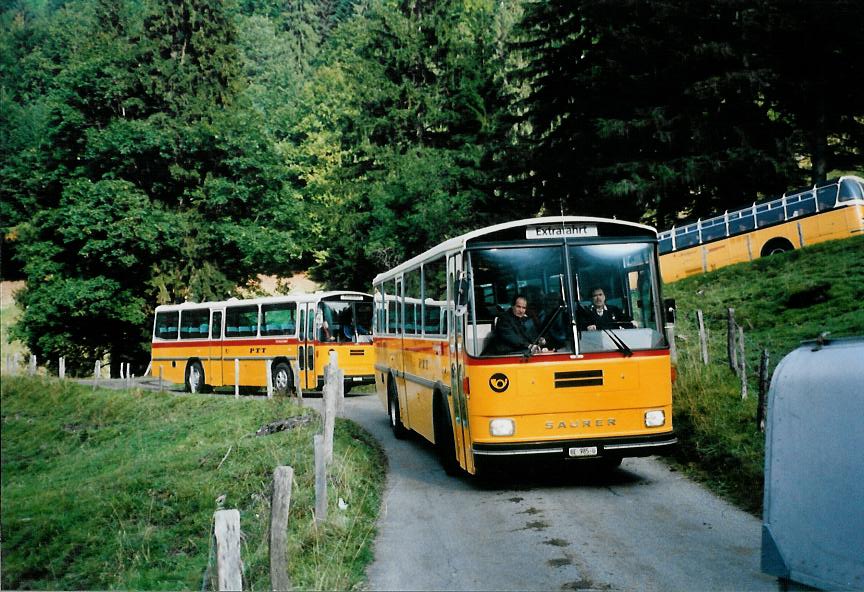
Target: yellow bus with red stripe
(235,342)
(585,394)
(829,211)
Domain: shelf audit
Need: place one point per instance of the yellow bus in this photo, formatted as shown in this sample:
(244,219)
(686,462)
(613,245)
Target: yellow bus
(824,212)
(588,394)
(199,344)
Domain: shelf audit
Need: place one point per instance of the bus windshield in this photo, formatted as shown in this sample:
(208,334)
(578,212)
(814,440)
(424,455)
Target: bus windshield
(562,288)
(347,321)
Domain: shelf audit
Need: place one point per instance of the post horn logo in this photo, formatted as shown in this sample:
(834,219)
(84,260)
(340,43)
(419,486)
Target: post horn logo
(499,382)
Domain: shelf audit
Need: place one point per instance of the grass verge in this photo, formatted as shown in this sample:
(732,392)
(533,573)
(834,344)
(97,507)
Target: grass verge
(117,489)
(780,301)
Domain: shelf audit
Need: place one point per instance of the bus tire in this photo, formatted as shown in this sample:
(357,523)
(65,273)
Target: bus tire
(399,430)
(776,246)
(282,379)
(445,445)
(195,377)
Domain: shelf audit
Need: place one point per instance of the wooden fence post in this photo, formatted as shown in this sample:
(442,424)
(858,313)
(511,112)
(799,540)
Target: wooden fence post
(228,565)
(160,378)
(281,503)
(320,479)
(763,390)
(743,363)
(17,362)
(703,337)
(236,378)
(730,340)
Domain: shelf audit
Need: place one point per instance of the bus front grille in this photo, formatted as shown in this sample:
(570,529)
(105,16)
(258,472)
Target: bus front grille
(579,378)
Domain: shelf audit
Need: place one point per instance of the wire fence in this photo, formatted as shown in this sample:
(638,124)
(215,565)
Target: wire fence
(699,342)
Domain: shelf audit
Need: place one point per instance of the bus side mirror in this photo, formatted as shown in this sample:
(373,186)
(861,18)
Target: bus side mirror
(461,296)
(669,310)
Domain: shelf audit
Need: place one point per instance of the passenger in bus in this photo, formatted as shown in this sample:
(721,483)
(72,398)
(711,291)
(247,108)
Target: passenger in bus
(601,315)
(323,327)
(513,334)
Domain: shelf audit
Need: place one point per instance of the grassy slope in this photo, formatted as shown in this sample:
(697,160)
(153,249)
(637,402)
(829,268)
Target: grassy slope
(779,301)
(116,490)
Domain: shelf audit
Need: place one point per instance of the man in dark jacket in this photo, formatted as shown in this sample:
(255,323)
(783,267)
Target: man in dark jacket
(601,315)
(512,333)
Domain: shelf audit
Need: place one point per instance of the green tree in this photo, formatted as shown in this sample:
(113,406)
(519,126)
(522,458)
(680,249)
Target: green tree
(645,110)
(395,143)
(809,54)
(161,183)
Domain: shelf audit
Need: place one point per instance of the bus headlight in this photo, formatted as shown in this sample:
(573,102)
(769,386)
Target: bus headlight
(502,427)
(655,418)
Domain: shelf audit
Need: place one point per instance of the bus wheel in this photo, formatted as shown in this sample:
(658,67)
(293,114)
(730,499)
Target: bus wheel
(194,378)
(445,445)
(282,379)
(776,246)
(399,430)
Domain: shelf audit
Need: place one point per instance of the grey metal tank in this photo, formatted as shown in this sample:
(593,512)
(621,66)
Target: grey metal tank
(813,519)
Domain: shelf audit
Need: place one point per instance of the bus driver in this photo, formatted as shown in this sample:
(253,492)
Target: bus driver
(601,315)
(512,332)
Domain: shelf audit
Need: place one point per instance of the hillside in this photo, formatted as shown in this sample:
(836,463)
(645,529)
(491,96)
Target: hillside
(117,489)
(779,301)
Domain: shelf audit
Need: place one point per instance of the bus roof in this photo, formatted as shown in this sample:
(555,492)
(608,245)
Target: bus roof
(460,242)
(292,297)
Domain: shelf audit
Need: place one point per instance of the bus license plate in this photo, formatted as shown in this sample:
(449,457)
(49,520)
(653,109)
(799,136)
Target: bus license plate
(583,451)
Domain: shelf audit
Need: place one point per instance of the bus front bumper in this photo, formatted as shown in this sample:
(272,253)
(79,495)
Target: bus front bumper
(584,448)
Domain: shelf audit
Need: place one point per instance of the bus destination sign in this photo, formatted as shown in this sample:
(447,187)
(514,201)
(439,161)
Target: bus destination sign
(560,230)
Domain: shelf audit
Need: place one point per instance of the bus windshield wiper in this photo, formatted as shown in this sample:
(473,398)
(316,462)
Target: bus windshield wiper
(619,343)
(543,329)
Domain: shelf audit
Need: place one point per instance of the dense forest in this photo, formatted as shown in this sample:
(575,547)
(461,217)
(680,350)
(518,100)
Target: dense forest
(155,151)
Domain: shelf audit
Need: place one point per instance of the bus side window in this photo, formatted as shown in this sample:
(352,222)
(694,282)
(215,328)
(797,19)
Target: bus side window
(217,325)
(167,325)
(826,197)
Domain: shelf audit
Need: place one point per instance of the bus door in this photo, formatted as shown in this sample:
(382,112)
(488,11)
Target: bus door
(215,367)
(306,345)
(456,313)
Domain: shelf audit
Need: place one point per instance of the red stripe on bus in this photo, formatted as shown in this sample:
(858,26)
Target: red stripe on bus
(240,342)
(542,358)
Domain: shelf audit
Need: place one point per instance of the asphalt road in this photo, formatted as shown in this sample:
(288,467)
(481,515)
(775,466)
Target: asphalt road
(640,527)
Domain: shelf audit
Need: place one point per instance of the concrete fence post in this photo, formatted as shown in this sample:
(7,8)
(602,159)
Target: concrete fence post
(229,567)
(17,363)
(269,369)
(97,372)
(33,365)
(670,337)
(298,389)
(236,378)
(283,477)
(331,394)
(320,479)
